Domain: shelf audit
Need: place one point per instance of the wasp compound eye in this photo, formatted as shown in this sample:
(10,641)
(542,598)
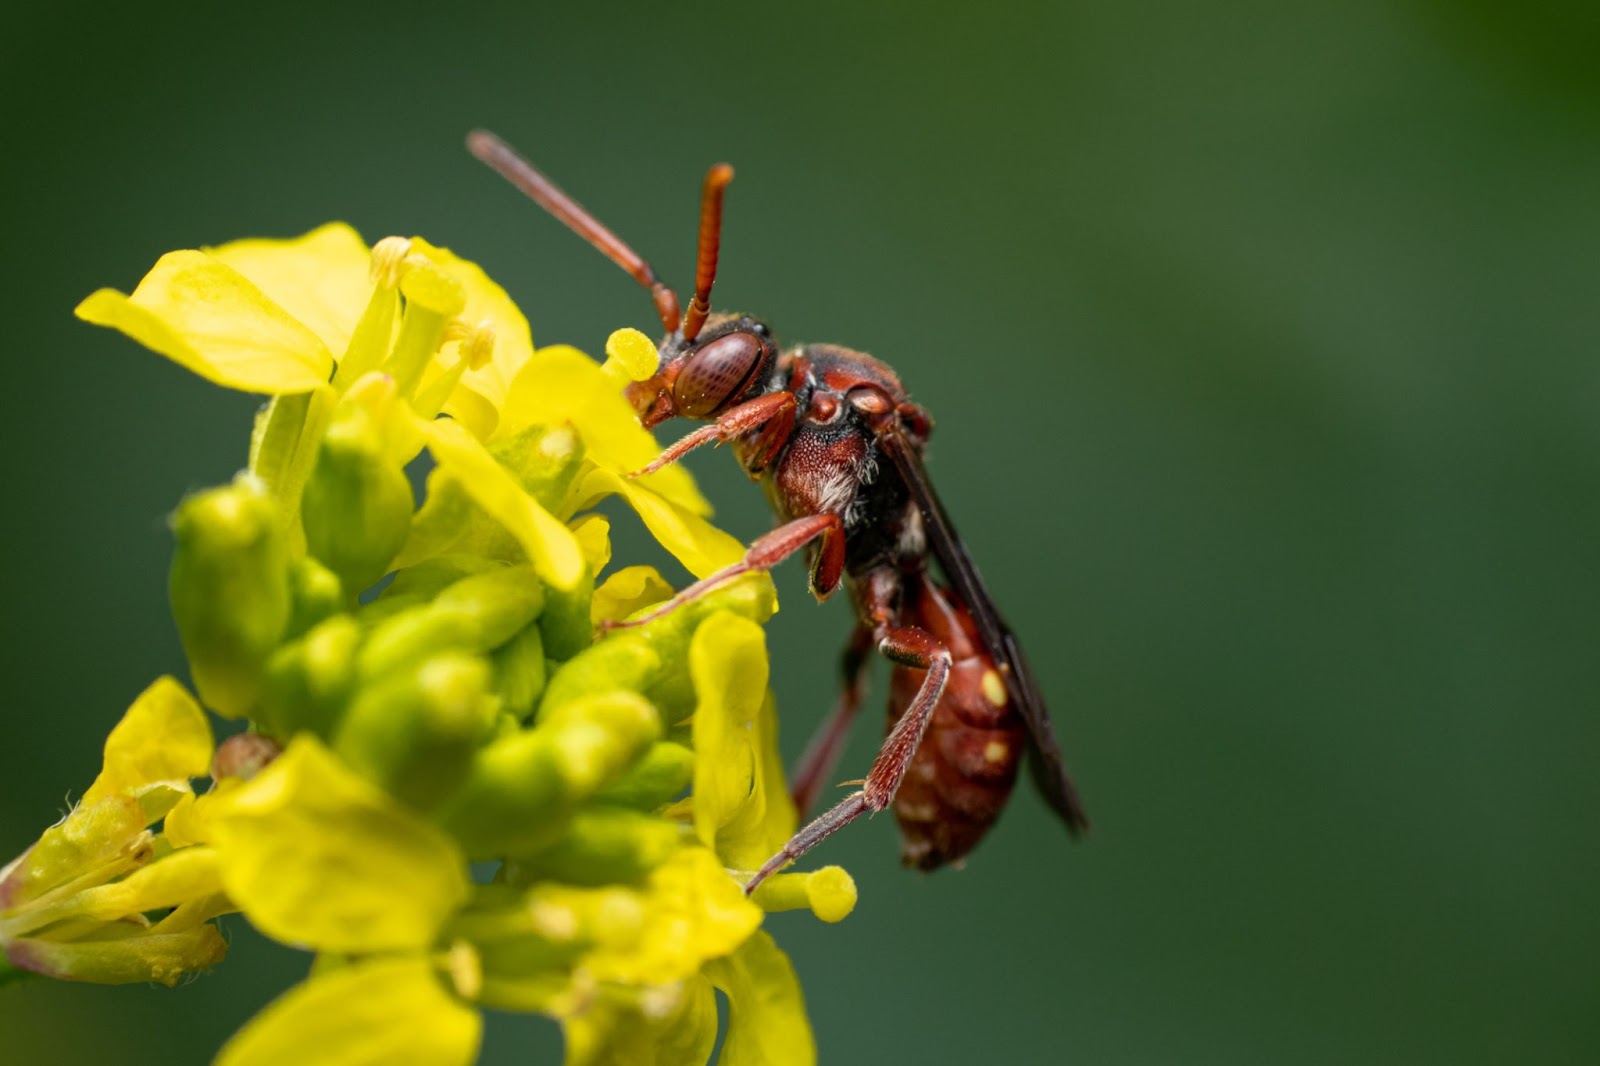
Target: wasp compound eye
(723,370)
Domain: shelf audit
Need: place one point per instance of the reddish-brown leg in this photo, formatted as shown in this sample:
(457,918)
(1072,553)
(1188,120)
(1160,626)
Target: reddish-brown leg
(823,752)
(734,422)
(908,646)
(764,554)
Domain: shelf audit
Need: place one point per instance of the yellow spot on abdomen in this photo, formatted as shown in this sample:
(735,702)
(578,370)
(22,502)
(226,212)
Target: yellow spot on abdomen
(996,751)
(994,689)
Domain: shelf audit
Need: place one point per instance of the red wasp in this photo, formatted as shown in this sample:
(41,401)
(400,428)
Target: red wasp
(837,444)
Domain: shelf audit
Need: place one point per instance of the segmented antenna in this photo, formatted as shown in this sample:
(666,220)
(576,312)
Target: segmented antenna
(705,269)
(547,194)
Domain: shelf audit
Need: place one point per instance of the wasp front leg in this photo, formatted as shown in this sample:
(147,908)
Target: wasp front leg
(908,646)
(766,553)
(772,413)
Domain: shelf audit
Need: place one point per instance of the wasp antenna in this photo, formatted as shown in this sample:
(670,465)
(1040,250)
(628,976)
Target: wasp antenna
(505,161)
(705,269)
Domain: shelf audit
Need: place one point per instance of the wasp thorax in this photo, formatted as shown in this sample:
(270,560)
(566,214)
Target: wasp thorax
(720,371)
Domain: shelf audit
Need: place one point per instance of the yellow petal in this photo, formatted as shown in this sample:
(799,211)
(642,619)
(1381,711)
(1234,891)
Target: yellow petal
(701,547)
(551,547)
(162,740)
(607,1032)
(486,302)
(626,591)
(383,1012)
(314,854)
(741,808)
(186,874)
(594,537)
(206,316)
(321,278)
(693,911)
(101,839)
(466,405)
(562,385)
(767,1023)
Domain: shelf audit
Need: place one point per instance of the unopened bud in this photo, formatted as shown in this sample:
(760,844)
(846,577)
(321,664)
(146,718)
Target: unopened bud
(522,788)
(658,778)
(315,594)
(230,590)
(607,845)
(565,622)
(416,734)
(671,687)
(621,661)
(519,673)
(308,681)
(475,614)
(357,504)
(600,736)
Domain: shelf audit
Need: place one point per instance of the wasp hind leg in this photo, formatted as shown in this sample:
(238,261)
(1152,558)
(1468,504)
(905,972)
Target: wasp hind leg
(907,646)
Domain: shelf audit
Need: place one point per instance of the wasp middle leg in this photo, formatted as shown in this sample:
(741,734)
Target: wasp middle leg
(907,646)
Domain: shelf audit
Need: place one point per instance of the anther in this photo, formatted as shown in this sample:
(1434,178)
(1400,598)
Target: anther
(477,341)
(388,261)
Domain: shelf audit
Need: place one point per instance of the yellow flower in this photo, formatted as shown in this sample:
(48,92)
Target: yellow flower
(75,904)
(303,320)
(317,856)
(461,711)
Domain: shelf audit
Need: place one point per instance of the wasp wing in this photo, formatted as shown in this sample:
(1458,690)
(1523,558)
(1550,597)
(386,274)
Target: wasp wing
(1049,771)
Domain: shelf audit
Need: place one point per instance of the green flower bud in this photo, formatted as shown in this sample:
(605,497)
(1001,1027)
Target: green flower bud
(309,681)
(565,623)
(315,594)
(120,960)
(606,845)
(357,504)
(623,661)
(658,778)
(519,673)
(523,788)
(419,584)
(654,658)
(475,614)
(514,797)
(230,590)
(415,734)
(601,736)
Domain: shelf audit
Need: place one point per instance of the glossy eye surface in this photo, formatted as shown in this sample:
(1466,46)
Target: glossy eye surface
(719,372)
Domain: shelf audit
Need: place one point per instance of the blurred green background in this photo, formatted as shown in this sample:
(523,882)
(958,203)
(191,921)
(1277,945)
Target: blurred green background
(1263,343)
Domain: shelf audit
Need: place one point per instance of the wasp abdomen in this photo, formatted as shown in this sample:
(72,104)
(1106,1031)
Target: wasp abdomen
(963,772)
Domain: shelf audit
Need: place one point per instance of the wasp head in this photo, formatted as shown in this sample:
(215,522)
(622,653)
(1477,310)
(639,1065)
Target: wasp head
(729,362)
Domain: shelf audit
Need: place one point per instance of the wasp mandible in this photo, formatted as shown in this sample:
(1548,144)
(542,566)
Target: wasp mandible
(837,443)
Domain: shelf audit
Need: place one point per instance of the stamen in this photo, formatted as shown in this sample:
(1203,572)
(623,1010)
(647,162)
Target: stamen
(388,261)
(466,970)
(630,356)
(477,341)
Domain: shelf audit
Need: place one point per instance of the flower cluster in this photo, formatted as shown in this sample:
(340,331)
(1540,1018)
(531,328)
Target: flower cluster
(422,690)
